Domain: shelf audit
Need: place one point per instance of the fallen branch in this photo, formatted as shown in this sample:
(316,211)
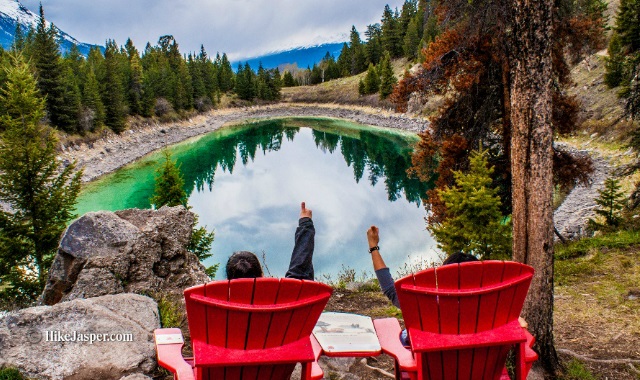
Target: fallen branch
(379,370)
(562,239)
(633,368)
(606,361)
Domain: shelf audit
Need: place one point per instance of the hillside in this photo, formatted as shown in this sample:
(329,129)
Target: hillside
(342,91)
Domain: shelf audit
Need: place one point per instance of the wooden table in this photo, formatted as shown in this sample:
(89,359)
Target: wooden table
(346,335)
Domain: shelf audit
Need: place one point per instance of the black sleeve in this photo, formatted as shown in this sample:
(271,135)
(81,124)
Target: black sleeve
(301,266)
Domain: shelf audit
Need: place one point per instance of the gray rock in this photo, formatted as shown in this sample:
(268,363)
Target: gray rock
(136,376)
(32,338)
(129,251)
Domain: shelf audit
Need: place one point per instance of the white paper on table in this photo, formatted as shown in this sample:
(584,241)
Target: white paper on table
(345,332)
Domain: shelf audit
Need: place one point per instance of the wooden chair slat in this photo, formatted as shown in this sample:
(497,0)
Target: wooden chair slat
(470,278)
(450,364)
(448,306)
(198,315)
(216,319)
(465,361)
(408,302)
(427,304)
(265,293)
(289,291)
(238,323)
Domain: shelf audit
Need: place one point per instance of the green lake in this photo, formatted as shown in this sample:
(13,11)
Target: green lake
(246,182)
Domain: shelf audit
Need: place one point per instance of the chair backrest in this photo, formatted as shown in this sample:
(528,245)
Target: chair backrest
(252,314)
(467,298)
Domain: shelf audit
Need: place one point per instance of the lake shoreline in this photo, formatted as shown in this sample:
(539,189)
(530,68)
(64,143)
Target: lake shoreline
(112,152)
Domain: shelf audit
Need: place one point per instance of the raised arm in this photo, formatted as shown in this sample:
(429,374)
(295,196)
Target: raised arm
(382,272)
(301,265)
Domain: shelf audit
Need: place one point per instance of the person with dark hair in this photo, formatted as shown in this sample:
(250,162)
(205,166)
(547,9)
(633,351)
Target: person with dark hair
(386,281)
(382,271)
(245,264)
(384,275)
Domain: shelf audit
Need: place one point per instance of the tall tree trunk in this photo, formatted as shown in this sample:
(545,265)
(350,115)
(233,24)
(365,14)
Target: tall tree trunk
(531,164)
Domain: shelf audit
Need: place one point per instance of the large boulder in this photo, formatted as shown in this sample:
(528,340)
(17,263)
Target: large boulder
(55,342)
(129,251)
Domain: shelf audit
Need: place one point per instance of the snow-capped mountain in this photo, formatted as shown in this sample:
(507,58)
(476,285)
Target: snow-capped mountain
(12,13)
(302,56)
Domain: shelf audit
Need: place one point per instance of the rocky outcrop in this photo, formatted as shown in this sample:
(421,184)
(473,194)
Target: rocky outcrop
(129,251)
(107,337)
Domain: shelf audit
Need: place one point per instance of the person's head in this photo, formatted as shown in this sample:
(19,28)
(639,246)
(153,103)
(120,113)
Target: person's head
(459,257)
(243,264)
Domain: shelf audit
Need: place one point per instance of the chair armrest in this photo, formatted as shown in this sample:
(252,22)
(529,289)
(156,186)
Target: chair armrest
(388,331)
(169,344)
(316,371)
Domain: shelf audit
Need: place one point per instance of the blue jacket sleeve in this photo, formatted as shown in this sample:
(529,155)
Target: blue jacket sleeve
(301,265)
(387,286)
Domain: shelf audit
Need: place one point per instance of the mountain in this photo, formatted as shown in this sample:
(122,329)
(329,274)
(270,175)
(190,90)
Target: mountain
(302,56)
(12,13)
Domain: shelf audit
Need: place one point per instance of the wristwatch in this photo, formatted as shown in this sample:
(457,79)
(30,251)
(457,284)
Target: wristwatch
(376,248)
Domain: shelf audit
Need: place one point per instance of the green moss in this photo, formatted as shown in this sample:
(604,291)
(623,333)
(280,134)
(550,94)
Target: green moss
(575,370)
(171,312)
(11,374)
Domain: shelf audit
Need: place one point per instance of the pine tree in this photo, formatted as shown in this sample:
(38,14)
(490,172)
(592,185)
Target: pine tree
(344,60)
(371,80)
(113,96)
(357,52)
(412,38)
(474,223)
(373,47)
(47,60)
(391,33)
(408,13)
(614,63)
(387,79)
(245,86)
(169,191)
(225,74)
(611,203)
(92,101)
(40,192)
(288,80)
(19,40)
(135,79)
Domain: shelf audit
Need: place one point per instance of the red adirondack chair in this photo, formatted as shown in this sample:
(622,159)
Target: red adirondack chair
(247,329)
(462,320)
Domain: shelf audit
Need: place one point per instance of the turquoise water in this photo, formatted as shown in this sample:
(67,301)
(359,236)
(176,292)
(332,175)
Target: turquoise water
(246,182)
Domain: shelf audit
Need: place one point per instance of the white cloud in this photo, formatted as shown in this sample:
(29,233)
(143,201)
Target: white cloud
(241,28)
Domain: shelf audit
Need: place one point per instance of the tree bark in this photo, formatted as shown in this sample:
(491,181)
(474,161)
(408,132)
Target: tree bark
(532,162)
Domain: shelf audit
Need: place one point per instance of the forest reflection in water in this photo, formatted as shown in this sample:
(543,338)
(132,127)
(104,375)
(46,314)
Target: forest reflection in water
(246,182)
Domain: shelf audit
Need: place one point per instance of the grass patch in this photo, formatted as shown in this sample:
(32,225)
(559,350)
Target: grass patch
(583,247)
(575,370)
(171,312)
(11,374)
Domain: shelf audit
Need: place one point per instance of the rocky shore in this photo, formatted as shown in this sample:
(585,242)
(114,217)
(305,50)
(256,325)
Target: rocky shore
(112,152)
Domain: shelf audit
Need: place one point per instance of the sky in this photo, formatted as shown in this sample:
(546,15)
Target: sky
(241,28)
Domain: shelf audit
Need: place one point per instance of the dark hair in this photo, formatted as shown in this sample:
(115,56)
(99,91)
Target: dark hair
(459,257)
(243,264)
